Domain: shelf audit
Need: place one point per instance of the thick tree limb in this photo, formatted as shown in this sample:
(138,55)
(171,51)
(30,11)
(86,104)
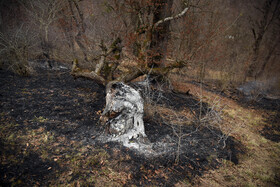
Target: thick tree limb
(90,75)
(78,72)
(96,75)
(137,72)
(129,76)
(171,18)
(126,77)
(100,65)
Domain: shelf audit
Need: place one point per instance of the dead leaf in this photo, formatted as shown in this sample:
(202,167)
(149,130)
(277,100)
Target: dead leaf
(157,172)
(129,176)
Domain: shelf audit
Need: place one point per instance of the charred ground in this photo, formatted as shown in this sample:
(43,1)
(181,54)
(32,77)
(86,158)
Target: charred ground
(49,123)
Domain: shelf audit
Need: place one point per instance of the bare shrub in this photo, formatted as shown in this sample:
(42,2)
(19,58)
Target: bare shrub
(152,92)
(206,114)
(212,119)
(151,98)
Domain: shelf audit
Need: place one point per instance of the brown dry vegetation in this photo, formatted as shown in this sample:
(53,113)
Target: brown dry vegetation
(216,47)
(259,166)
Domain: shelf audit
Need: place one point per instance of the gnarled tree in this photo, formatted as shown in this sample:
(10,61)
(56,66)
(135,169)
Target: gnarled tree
(123,103)
(151,32)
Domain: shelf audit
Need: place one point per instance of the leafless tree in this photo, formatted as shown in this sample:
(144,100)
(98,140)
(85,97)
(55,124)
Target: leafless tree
(151,19)
(44,13)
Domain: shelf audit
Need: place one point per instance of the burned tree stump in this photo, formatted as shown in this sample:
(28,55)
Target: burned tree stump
(125,109)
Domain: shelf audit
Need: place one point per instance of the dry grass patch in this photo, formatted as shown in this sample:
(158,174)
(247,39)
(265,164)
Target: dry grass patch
(160,114)
(259,166)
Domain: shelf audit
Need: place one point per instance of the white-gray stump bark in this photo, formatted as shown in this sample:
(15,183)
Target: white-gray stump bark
(125,106)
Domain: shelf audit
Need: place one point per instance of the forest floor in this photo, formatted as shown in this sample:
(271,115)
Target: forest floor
(49,125)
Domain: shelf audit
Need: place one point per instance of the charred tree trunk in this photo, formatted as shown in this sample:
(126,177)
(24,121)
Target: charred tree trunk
(160,32)
(79,21)
(270,12)
(267,58)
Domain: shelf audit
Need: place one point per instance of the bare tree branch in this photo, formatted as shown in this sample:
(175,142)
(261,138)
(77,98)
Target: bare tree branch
(171,18)
(105,53)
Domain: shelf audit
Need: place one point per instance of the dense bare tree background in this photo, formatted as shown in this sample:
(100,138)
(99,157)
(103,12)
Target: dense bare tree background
(230,42)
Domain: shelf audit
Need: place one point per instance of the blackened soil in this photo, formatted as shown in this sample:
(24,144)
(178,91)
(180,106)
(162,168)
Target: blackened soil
(29,170)
(69,108)
(271,130)
(55,96)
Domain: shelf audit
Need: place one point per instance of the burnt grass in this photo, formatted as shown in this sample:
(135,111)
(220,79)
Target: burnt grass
(70,109)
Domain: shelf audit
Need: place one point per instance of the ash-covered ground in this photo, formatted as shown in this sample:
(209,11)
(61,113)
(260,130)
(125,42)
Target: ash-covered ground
(70,108)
